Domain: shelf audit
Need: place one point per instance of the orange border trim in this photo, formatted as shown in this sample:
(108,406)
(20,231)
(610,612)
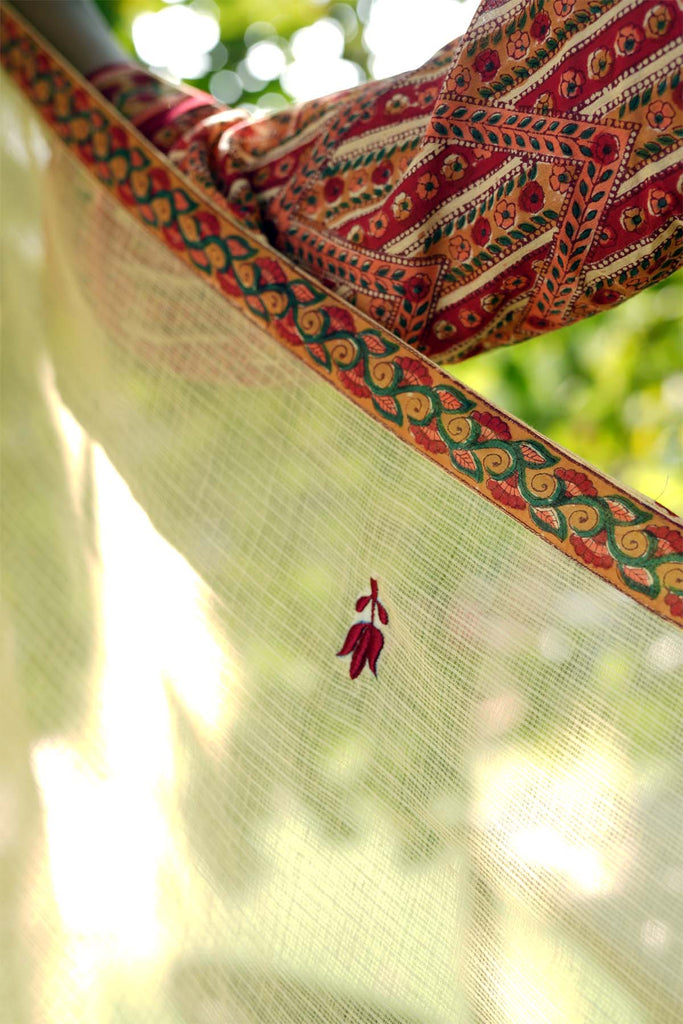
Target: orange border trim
(632,544)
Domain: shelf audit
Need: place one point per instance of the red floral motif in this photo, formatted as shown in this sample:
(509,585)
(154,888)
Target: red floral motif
(660,114)
(606,297)
(491,426)
(515,282)
(469,318)
(606,236)
(481,231)
(561,179)
(545,102)
(491,301)
(413,372)
(454,166)
(428,96)
(270,272)
(354,381)
(593,550)
(357,183)
(675,603)
(540,26)
(660,202)
(396,103)
(460,80)
(428,437)
(401,206)
(505,214)
(443,329)
(670,541)
(380,310)
(333,188)
(487,63)
(658,20)
(632,218)
(378,225)
(576,483)
(571,84)
(417,287)
(364,641)
(605,148)
(339,319)
(382,172)
(600,63)
(507,491)
(628,40)
(518,45)
(287,329)
(427,186)
(459,248)
(531,198)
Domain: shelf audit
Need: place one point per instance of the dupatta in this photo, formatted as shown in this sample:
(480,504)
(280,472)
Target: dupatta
(333,692)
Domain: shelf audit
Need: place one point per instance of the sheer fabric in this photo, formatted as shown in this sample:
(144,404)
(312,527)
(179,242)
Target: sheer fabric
(206,818)
(297,726)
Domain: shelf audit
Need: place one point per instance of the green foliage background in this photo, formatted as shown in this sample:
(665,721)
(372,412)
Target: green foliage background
(609,389)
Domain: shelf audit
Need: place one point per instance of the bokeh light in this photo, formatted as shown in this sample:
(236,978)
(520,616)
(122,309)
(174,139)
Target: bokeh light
(399,41)
(335,51)
(178,39)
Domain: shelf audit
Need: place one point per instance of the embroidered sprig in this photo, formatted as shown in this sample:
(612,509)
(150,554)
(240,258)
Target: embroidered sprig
(364,641)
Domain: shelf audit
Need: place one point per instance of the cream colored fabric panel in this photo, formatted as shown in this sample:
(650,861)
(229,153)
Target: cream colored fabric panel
(205,819)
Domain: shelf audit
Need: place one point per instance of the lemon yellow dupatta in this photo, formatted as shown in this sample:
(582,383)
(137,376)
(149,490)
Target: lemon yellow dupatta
(332,693)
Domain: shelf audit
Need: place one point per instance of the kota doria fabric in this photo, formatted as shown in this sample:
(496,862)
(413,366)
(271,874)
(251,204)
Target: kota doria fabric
(214,810)
(526,177)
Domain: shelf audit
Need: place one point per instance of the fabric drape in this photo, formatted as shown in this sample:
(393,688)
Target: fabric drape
(332,693)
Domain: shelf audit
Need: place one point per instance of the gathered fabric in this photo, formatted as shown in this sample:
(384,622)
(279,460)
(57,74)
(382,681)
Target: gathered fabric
(529,175)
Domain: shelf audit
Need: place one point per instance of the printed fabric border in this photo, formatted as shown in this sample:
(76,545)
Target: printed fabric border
(631,543)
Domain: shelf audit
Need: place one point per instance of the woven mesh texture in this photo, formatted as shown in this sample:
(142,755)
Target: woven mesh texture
(204,818)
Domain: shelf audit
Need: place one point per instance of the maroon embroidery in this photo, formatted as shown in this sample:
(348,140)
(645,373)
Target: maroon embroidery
(364,641)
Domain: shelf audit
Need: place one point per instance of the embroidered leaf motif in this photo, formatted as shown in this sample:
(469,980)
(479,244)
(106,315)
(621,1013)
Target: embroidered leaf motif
(376,344)
(536,454)
(364,641)
(320,354)
(255,304)
(467,461)
(453,400)
(237,247)
(642,579)
(550,519)
(625,511)
(303,293)
(389,407)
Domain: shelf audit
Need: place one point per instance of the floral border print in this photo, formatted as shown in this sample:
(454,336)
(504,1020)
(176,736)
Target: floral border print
(633,544)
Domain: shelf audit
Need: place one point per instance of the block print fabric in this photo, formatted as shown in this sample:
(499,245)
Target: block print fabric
(526,177)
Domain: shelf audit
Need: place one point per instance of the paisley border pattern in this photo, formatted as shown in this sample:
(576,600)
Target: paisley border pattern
(631,543)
